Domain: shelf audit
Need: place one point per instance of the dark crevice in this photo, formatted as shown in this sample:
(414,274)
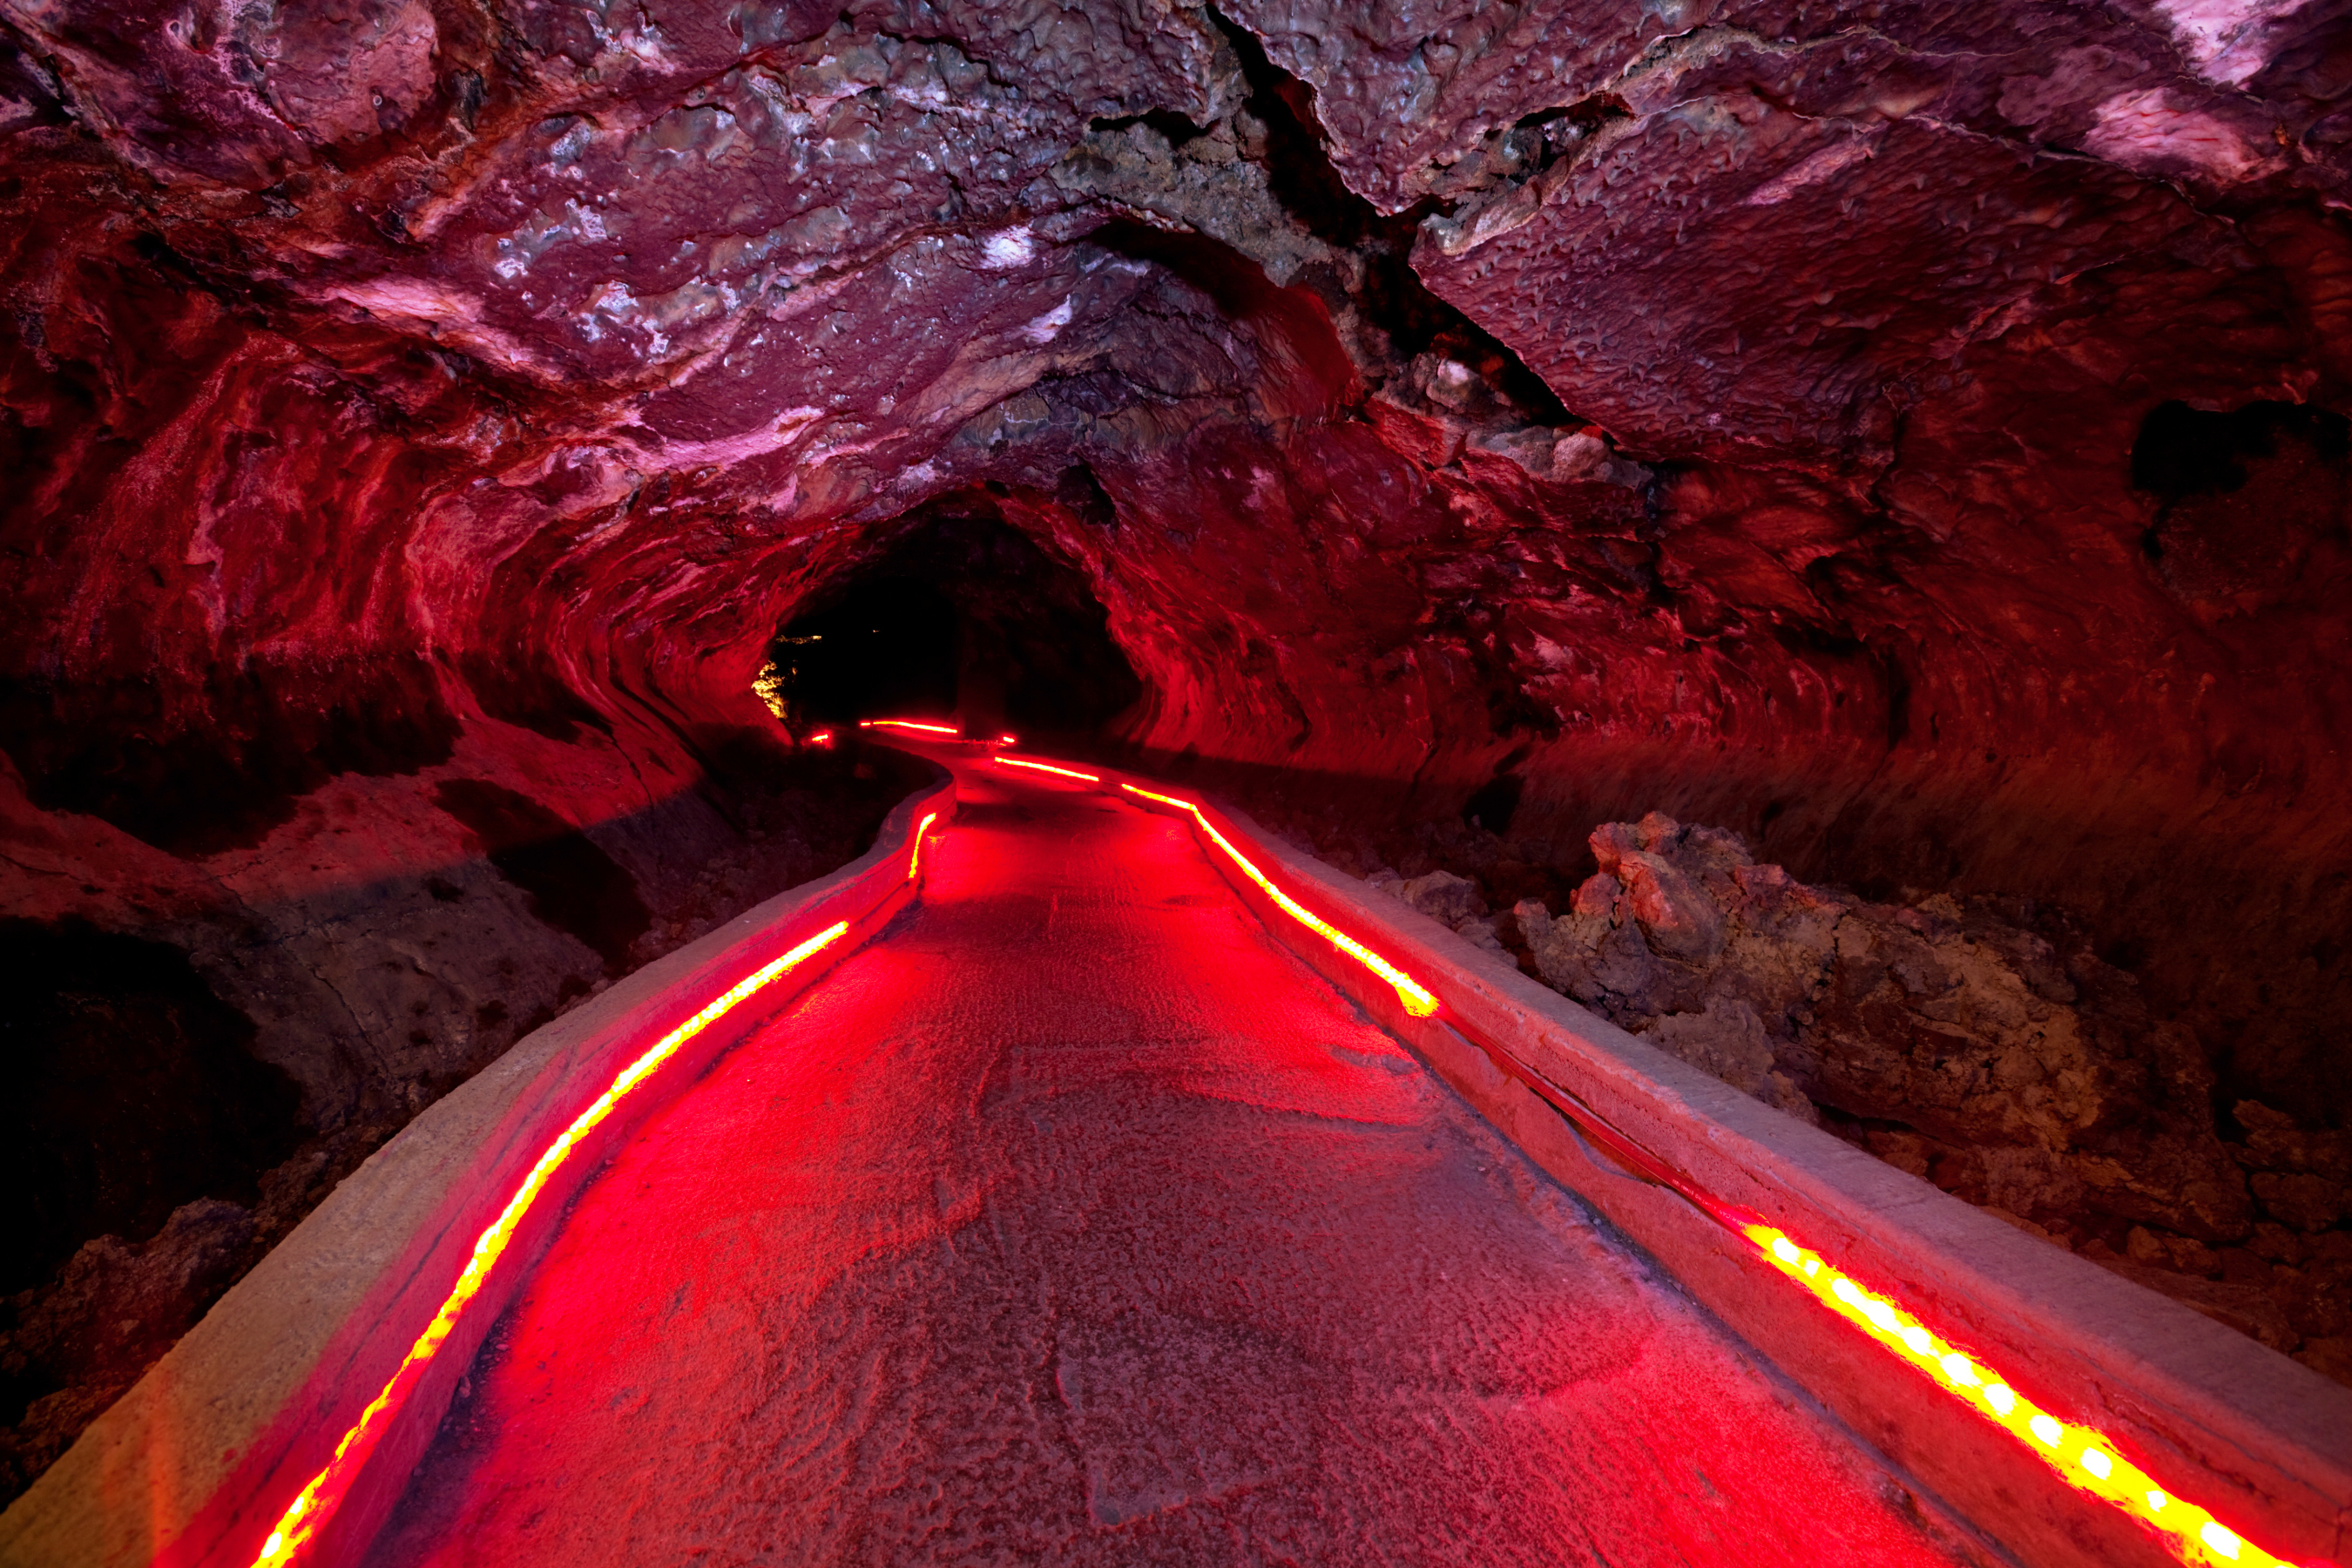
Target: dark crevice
(1391,296)
(2183,452)
(1175,127)
(1297,159)
(1535,143)
(1492,804)
(1578,120)
(2244,499)
(1082,494)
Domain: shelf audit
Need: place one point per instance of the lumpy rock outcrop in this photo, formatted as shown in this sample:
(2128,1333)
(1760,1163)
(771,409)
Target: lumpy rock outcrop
(1967,1049)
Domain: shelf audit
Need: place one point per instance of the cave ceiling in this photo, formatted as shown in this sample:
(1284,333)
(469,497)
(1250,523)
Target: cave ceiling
(1911,434)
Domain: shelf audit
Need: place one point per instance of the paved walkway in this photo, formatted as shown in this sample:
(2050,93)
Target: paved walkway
(1076,1222)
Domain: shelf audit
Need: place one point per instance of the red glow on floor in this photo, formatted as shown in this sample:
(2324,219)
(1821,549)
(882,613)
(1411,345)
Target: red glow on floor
(909,724)
(1047,768)
(1417,998)
(1077,1223)
(317,1501)
(2083,1456)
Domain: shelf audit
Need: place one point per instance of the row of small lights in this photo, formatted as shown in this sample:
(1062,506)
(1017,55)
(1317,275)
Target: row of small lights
(1047,768)
(299,1525)
(2083,1456)
(1418,999)
(914,724)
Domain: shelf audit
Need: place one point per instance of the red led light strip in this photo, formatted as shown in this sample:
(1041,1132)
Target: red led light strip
(1047,768)
(2084,1457)
(1418,999)
(316,1503)
(908,724)
(310,1510)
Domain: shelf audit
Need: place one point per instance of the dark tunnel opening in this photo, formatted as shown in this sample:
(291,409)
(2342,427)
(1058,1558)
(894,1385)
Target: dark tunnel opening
(964,619)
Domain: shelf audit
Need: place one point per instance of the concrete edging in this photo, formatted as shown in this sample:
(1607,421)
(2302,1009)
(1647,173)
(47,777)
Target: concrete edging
(192,1468)
(2261,1441)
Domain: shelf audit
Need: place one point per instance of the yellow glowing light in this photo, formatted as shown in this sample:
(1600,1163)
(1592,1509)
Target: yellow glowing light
(1008,740)
(908,724)
(1047,768)
(1418,999)
(316,1503)
(915,857)
(2094,1468)
(769,686)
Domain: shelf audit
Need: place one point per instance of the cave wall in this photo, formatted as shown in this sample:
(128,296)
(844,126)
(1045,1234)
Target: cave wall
(1910,435)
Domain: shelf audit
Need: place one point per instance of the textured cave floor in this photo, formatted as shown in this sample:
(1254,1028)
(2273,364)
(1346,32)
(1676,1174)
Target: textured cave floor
(1074,1221)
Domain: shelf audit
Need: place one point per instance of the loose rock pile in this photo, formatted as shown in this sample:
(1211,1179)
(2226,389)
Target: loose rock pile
(1959,1046)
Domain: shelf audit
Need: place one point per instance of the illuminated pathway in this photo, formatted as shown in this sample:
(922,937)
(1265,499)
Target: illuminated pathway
(1076,1222)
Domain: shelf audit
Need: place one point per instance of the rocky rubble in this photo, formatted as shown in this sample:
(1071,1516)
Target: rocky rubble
(75,1345)
(1453,901)
(1966,1049)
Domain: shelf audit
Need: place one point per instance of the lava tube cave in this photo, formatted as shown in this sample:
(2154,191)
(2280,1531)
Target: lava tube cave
(1097,783)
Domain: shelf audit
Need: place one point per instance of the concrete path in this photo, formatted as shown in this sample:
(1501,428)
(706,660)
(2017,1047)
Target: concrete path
(1076,1222)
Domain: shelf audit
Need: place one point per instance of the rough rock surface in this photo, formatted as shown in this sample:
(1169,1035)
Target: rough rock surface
(1964,1048)
(75,1346)
(1915,439)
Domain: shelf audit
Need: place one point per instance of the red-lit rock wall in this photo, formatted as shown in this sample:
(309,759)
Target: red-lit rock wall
(1911,436)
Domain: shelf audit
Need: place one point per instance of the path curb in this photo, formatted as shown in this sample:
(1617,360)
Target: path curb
(192,1467)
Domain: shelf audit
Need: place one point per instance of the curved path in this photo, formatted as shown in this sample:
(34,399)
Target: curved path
(1076,1222)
